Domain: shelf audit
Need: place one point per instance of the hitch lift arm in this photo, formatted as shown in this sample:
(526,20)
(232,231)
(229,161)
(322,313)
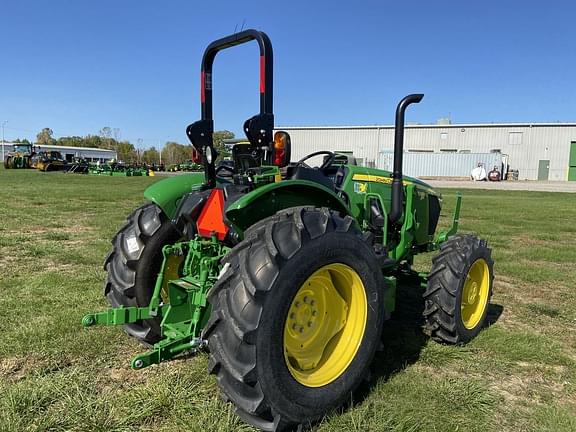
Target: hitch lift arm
(185,313)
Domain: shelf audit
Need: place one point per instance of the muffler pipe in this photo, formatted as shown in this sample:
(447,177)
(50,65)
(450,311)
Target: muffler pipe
(396,208)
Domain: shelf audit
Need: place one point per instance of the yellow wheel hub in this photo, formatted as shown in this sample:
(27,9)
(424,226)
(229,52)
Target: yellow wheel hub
(475,294)
(325,325)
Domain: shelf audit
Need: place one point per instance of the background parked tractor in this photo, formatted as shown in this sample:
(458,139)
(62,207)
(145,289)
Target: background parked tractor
(286,270)
(51,160)
(19,157)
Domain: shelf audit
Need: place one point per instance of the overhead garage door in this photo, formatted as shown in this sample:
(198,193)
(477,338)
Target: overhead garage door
(572,163)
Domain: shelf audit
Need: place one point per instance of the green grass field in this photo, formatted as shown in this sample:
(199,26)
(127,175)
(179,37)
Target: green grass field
(55,230)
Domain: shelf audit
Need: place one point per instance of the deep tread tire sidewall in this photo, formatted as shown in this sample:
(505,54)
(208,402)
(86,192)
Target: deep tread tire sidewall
(284,392)
(134,262)
(443,295)
(250,304)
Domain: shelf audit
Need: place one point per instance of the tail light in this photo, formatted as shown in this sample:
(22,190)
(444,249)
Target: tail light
(281,154)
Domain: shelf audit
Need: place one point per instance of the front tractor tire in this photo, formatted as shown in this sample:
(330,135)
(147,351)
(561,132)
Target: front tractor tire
(297,315)
(459,289)
(134,262)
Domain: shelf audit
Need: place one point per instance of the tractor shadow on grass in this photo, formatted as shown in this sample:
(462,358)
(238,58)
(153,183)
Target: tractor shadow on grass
(403,337)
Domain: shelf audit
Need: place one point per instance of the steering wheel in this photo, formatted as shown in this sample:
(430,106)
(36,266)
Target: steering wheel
(325,164)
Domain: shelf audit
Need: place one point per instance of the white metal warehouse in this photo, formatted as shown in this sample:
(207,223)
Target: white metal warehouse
(537,150)
(91,154)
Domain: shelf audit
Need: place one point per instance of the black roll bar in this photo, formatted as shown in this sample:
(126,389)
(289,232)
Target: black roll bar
(266,69)
(258,128)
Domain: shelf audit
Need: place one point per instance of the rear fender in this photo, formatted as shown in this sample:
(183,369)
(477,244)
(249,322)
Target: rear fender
(167,193)
(267,200)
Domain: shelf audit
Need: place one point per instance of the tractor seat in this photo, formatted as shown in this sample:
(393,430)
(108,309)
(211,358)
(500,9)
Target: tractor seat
(310,174)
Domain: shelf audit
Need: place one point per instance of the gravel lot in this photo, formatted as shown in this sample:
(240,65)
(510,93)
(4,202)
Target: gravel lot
(534,186)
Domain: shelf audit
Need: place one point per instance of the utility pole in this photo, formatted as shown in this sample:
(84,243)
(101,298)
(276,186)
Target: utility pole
(3,124)
(139,141)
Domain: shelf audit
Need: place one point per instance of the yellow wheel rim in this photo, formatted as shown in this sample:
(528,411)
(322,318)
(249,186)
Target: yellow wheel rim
(475,294)
(171,272)
(325,325)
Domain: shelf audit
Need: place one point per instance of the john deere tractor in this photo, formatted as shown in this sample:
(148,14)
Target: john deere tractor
(285,271)
(19,157)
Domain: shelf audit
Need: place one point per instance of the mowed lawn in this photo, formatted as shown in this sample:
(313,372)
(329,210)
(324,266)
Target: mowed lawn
(55,230)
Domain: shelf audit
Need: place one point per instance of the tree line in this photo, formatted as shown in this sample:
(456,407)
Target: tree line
(108,138)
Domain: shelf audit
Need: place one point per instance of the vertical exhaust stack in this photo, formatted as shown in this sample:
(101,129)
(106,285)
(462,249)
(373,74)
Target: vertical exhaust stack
(396,208)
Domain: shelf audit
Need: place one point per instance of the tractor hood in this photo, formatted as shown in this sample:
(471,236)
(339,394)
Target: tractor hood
(363,174)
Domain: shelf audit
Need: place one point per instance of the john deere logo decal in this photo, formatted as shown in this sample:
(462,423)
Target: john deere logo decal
(360,187)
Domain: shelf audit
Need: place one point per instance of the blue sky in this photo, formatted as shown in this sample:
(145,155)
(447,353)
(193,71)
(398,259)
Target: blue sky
(76,66)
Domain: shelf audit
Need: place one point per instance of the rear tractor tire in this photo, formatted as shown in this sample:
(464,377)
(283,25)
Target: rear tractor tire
(459,289)
(297,315)
(134,262)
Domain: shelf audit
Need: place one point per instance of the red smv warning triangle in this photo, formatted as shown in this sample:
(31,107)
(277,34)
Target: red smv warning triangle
(211,219)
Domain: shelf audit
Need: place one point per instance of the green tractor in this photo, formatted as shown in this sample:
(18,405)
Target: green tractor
(19,157)
(285,272)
